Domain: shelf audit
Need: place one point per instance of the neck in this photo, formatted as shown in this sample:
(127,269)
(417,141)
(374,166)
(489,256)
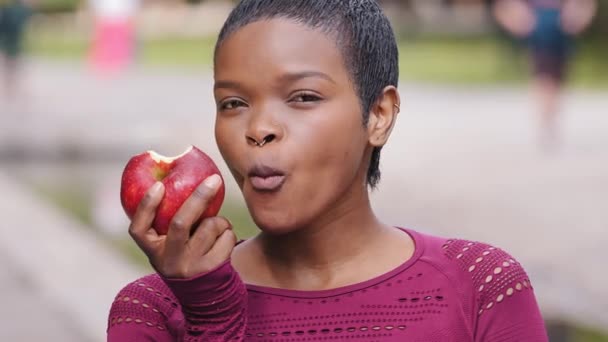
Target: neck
(314,255)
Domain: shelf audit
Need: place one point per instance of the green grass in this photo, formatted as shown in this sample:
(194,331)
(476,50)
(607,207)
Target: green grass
(587,335)
(243,225)
(74,200)
(181,52)
(462,61)
(485,60)
(56,46)
(178,52)
(477,60)
(591,68)
(130,250)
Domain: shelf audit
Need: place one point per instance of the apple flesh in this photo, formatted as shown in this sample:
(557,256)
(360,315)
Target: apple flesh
(180,175)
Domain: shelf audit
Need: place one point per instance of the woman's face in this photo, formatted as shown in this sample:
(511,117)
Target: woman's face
(289,124)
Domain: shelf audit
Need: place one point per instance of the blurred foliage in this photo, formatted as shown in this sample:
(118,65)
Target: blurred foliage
(448,60)
(423,59)
(456,60)
(587,335)
(182,52)
(57,46)
(242,223)
(56,6)
(127,246)
(76,201)
(599,28)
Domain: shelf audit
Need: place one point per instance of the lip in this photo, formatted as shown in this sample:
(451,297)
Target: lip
(265,178)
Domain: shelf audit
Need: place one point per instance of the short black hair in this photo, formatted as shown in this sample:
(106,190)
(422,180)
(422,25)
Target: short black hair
(363,33)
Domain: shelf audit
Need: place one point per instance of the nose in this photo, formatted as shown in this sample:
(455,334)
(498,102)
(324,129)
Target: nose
(263,130)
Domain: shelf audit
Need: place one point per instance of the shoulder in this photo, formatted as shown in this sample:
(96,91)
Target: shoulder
(492,274)
(146,301)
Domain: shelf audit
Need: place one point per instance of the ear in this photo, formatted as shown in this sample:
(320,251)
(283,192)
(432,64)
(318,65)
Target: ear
(382,116)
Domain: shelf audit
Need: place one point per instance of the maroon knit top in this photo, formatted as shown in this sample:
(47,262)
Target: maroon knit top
(449,290)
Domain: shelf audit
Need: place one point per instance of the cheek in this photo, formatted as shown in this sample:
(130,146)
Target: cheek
(226,136)
(336,146)
(341,158)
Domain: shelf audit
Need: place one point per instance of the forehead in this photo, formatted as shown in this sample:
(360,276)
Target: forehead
(278,46)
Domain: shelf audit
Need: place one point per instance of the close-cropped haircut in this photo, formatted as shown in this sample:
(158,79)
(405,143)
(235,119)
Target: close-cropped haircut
(362,31)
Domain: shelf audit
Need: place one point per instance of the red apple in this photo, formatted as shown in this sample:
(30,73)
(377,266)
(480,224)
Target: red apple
(180,175)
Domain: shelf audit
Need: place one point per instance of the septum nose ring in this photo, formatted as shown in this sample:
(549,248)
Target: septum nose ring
(260,144)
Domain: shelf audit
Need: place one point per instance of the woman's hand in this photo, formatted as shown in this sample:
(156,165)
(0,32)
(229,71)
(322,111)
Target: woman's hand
(186,250)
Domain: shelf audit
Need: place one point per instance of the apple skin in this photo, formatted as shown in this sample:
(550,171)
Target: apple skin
(180,175)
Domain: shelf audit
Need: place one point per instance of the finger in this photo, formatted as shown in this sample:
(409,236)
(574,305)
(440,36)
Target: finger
(222,249)
(190,211)
(207,234)
(140,226)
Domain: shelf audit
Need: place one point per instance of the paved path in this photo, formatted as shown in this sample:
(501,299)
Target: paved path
(58,280)
(462,162)
(26,314)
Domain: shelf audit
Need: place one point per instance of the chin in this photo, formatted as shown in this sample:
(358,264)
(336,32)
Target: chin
(274,222)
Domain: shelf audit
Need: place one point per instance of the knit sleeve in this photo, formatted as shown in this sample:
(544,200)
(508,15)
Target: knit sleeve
(210,307)
(505,306)
(144,310)
(214,305)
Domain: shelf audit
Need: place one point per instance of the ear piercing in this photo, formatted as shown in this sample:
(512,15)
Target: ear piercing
(398,108)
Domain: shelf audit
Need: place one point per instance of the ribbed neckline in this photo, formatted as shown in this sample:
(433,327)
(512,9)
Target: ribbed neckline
(418,251)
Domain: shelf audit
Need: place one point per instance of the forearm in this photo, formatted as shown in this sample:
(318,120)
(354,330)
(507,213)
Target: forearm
(214,305)
(208,307)
(138,332)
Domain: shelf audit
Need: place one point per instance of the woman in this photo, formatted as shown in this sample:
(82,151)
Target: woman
(306,96)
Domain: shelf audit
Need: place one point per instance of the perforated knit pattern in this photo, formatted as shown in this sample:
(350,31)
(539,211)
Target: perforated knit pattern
(496,275)
(214,312)
(378,312)
(147,302)
(428,298)
(216,309)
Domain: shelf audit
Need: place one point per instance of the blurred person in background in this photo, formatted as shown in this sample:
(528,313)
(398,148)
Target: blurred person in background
(548,27)
(14,15)
(113,42)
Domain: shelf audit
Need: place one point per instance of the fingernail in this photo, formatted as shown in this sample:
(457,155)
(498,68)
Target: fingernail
(212,181)
(156,187)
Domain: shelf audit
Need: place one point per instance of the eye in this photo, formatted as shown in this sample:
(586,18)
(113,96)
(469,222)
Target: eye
(231,104)
(306,97)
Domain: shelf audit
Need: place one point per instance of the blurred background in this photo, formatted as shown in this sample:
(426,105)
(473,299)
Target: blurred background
(492,144)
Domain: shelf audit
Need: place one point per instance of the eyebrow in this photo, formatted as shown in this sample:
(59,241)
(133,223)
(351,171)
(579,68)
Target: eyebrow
(292,77)
(289,77)
(226,85)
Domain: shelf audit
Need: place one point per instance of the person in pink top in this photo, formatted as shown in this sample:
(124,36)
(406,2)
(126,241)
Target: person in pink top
(306,95)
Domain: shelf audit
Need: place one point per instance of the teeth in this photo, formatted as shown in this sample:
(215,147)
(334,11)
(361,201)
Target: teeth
(160,158)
